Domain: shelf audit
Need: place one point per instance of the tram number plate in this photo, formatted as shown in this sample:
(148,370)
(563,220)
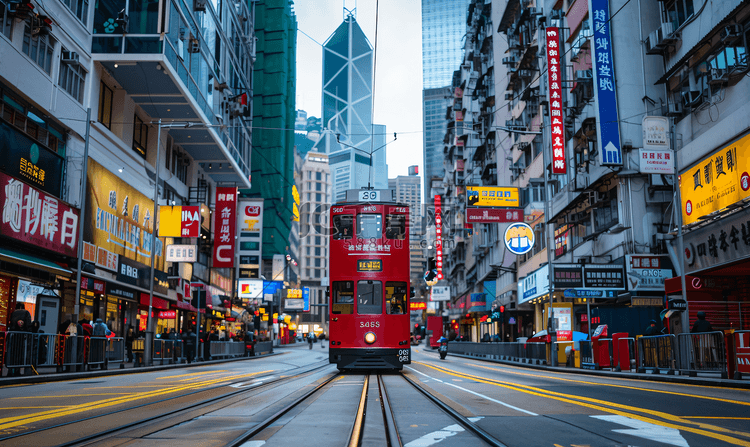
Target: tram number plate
(369,196)
(404,355)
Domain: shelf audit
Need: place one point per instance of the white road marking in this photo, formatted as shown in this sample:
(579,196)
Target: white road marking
(476,394)
(245,384)
(253,444)
(642,429)
(436,436)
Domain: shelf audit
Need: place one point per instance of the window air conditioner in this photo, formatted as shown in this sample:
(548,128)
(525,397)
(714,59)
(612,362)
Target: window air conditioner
(730,32)
(70,58)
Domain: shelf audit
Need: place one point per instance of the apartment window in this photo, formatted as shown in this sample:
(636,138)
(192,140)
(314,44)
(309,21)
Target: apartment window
(38,48)
(318,176)
(317,262)
(605,214)
(318,197)
(318,186)
(140,136)
(678,11)
(317,251)
(6,22)
(581,228)
(72,80)
(79,8)
(317,273)
(309,175)
(105,105)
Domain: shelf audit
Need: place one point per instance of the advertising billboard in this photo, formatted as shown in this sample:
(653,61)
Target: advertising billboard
(498,196)
(554,74)
(179,221)
(225,222)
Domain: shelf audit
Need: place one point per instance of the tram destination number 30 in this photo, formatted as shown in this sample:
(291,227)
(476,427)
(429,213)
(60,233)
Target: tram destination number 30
(369,196)
(403,355)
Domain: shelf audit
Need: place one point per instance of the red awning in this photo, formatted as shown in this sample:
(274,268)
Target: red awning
(157,303)
(184,306)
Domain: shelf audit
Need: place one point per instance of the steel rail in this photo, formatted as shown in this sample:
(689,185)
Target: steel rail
(391,430)
(197,405)
(240,440)
(472,427)
(359,421)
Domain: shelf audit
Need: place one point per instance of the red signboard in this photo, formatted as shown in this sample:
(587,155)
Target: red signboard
(36,218)
(742,339)
(167,314)
(489,215)
(225,221)
(417,306)
(438,237)
(555,101)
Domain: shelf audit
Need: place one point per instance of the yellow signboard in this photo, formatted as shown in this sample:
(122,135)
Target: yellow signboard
(119,218)
(716,181)
(369,265)
(499,196)
(294,293)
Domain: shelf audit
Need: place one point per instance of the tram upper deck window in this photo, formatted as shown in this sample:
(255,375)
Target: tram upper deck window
(395,297)
(343,226)
(343,297)
(369,298)
(395,226)
(370,226)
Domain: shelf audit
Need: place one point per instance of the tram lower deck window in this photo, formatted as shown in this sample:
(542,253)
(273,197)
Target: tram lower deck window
(343,297)
(369,297)
(395,297)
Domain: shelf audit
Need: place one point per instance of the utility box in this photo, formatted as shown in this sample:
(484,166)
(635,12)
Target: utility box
(620,351)
(600,347)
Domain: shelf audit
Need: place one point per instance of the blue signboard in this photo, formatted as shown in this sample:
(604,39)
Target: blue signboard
(306,299)
(607,122)
(272,286)
(589,293)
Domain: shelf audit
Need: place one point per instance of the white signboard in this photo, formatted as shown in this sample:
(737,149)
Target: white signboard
(655,132)
(294,304)
(277,273)
(250,288)
(182,253)
(440,293)
(269,297)
(656,161)
(647,272)
(533,285)
(27,292)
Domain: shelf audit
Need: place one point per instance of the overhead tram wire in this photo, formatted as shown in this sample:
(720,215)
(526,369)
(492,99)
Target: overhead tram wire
(372,92)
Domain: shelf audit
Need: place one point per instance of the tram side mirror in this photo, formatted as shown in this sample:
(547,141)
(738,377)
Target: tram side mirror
(412,293)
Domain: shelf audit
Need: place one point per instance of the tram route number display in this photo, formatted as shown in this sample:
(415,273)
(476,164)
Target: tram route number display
(369,265)
(369,196)
(404,355)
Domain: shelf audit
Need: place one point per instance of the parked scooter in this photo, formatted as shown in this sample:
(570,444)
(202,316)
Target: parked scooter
(443,347)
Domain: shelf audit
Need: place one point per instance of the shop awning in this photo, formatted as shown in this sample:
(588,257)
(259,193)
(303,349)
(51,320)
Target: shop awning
(156,303)
(32,262)
(184,306)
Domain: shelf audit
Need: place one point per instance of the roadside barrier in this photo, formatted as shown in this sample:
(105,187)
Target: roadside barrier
(115,351)
(46,349)
(227,349)
(657,352)
(20,350)
(97,355)
(702,352)
(523,352)
(71,351)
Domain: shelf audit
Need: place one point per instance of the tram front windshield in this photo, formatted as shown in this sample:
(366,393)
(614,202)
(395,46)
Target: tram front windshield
(370,226)
(369,297)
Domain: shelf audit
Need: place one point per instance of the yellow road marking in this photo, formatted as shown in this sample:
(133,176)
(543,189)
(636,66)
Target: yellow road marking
(192,374)
(616,410)
(27,408)
(565,379)
(626,379)
(17,420)
(714,417)
(67,395)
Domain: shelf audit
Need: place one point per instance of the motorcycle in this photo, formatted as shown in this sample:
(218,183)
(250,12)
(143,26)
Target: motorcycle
(443,350)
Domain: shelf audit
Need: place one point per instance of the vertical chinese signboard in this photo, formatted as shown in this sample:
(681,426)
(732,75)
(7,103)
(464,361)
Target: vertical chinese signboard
(555,101)
(438,237)
(607,123)
(36,218)
(224,226)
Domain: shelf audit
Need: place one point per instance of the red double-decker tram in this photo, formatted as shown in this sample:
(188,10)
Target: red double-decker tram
(369,287)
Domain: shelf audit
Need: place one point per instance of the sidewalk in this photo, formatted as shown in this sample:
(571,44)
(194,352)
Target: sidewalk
(703,379)
(51,375)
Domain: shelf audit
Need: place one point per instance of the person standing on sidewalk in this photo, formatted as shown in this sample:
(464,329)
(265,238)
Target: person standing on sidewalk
(20,321)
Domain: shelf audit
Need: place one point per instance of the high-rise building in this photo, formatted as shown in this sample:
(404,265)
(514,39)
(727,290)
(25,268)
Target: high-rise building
(351,140)
(274,110)
(443,29)
(408,191)
(313,179)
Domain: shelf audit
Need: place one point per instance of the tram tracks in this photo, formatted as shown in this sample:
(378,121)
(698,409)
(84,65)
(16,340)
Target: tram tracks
(158,414)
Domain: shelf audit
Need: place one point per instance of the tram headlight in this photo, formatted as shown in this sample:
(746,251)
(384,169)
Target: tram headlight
(370,338)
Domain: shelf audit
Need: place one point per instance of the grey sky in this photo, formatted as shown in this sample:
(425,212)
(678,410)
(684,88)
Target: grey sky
(398,76)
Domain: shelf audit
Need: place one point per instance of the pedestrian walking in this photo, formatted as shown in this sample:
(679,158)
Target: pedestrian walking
(129,337)
(190,345)
(701,325)
(310,336)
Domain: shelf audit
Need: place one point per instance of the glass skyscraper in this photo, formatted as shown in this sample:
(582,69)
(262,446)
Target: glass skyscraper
(443,29)
(347,112)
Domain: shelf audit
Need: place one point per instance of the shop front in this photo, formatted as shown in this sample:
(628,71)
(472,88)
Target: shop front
(715,194)
(38,239)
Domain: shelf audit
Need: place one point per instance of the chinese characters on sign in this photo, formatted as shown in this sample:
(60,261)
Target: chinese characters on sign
(604,79)
(369,265)
(554,74)
(34,217)
(225,226)
(653,161)
(718,244)
(492,196)
(716,182)
(438,237)
(647,272)
(484,215)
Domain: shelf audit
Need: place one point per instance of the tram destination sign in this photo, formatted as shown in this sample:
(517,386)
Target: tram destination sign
(369,265)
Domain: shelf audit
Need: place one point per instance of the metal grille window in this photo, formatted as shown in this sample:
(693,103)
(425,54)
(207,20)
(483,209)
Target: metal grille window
(140,136)
(79,8)
(73,80)
(105,105)
(39,49)
(605,214)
